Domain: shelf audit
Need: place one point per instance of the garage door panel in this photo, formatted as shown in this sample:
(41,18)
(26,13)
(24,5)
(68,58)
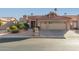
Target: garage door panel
(43,26)
(60,26)
(54,26)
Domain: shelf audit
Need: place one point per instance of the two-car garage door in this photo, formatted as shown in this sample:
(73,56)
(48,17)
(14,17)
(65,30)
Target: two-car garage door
(53,26)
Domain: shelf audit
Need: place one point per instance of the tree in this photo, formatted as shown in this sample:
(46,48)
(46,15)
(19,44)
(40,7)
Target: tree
(55,9)
(65,13)
(31,14)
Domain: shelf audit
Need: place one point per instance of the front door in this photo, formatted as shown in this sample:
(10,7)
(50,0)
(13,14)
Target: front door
(33,24)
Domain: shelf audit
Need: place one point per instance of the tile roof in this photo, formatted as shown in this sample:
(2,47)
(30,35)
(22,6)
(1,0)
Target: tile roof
(74,17)
(6,19)
(48,18)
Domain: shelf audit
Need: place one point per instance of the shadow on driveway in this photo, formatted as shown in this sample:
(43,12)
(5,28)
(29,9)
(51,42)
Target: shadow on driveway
(53,33)
(4,40)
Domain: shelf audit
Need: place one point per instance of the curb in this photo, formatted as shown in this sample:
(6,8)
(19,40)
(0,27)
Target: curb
(31,37)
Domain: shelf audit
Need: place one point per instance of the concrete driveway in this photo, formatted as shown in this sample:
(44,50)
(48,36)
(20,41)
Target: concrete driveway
(52,33)
(41,44)
(20,34)
(42,33)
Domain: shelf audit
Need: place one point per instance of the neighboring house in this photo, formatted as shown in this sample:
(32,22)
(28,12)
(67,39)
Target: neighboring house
(74,21)
(7,21)
(24,18)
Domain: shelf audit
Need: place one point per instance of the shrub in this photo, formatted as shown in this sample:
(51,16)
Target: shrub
(13,29)
(22,25)
(26,26)
(1,23)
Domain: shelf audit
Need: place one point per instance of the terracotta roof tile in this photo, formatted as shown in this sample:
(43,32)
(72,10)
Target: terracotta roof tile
(48,18)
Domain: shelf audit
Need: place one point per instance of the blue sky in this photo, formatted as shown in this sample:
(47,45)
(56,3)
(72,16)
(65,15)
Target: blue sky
(18,12)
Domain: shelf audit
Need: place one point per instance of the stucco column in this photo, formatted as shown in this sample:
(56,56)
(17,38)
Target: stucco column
(68,26)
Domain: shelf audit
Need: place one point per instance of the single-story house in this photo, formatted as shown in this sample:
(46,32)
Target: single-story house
(52,21)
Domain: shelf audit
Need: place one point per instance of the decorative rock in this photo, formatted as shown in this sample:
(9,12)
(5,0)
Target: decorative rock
(71,34)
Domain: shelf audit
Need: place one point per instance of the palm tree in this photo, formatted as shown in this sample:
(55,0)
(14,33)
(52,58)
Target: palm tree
(55,9)
(24,16)
(31,14)
(65,13)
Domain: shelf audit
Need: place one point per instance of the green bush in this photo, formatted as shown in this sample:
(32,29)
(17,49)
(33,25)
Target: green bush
(26,26)
(13,29)
(22,25)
